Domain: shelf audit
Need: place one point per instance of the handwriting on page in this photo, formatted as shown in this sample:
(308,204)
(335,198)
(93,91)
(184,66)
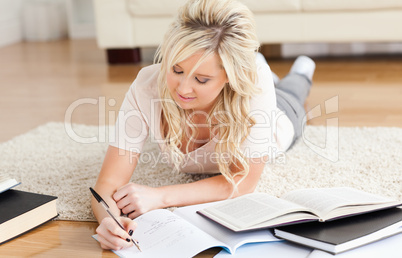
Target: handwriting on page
(160,233)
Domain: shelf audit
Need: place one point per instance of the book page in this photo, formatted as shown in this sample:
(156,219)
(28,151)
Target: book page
(251,209)
(163,234)
(283,249)
(7,183)
(324,200)
(231,239)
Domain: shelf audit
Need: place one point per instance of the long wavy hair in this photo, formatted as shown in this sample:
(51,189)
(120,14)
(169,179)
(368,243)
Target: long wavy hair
(225,28)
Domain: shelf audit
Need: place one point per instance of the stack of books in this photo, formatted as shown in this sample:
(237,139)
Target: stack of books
(345,234)
(352,218)
(22,211)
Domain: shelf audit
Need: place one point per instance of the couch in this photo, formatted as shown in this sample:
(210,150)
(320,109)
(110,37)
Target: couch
(125,26)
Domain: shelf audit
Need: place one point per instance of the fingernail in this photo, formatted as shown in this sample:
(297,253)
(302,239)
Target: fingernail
(130,232)
(128,240)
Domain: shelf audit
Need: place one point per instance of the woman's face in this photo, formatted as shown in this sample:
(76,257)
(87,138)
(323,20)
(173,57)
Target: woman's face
(197,91)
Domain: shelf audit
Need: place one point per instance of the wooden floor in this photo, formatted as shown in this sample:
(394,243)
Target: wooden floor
(39,81)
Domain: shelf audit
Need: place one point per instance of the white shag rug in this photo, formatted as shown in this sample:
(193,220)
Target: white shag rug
(46,160)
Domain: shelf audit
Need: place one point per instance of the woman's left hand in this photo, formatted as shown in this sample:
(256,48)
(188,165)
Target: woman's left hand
(134,199)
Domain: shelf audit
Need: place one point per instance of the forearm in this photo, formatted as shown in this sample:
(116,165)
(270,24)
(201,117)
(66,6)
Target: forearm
(115,172)
(207,190)
(106,191)
(214,188)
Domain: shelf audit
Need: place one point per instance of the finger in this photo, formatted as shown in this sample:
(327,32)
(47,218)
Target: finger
(114,229)
(116,237)
(108,240)
(128,209)
(123,202)
(105,244)
(115,243)
(121,192)
(129,224)
(135,214)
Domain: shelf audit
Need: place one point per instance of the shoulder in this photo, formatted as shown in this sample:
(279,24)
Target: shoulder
(149,71)
(148,76)
(264,75)
(143,91)
(146,83)
(266,98)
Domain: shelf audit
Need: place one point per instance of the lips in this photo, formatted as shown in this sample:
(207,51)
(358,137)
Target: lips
(185,99)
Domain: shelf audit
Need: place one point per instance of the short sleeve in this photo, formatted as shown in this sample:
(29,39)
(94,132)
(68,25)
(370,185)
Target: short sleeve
(262,139)
(132,126)
(138,113)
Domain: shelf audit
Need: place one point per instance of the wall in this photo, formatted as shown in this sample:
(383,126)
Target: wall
(10,23)
(42,20)
(81,19)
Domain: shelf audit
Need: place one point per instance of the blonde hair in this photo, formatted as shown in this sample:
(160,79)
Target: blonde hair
(225,28)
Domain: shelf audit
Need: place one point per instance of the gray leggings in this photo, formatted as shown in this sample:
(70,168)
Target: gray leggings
(291,93)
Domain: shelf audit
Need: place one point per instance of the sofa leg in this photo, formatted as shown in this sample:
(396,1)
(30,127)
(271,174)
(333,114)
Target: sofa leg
(271,51)
(123,56)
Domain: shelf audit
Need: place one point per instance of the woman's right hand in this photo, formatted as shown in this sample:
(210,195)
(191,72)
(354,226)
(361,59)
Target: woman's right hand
(111,236)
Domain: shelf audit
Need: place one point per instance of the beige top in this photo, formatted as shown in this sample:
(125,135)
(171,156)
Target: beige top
(140,117)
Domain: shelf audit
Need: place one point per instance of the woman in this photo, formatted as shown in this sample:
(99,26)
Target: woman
(211,105)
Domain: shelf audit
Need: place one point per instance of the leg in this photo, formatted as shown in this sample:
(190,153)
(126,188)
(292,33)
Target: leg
(292,91)
(292,102)
(296,85)
(298,81)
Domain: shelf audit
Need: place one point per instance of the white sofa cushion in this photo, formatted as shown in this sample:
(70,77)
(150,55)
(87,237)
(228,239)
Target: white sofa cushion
(168,8)
(267,6)
(153,7)
(349,5)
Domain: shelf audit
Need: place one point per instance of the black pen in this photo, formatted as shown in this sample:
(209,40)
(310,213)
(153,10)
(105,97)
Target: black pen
(104,204)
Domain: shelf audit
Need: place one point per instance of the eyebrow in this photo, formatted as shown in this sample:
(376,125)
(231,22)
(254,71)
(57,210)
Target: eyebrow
(198,74)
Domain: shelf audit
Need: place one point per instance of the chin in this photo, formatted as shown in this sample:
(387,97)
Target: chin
(184,106)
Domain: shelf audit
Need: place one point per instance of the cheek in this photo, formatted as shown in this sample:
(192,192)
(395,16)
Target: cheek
(171,82)
(218,89)
(209,94)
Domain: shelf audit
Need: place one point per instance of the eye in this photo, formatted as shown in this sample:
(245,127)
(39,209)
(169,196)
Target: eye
(176,70)
(201,81)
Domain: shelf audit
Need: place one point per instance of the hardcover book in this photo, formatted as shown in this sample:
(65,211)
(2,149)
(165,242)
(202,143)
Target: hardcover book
(22,211)
(345,234)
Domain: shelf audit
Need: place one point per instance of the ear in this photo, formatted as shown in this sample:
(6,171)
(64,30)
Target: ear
(227,79)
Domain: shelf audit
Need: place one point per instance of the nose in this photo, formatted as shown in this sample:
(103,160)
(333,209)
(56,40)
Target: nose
(185,87)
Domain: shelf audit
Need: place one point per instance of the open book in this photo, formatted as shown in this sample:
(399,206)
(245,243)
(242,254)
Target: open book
(184,233)
(260,210)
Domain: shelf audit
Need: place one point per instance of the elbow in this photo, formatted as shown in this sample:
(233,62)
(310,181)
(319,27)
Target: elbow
(248,185)
(249,189)
(243,189)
